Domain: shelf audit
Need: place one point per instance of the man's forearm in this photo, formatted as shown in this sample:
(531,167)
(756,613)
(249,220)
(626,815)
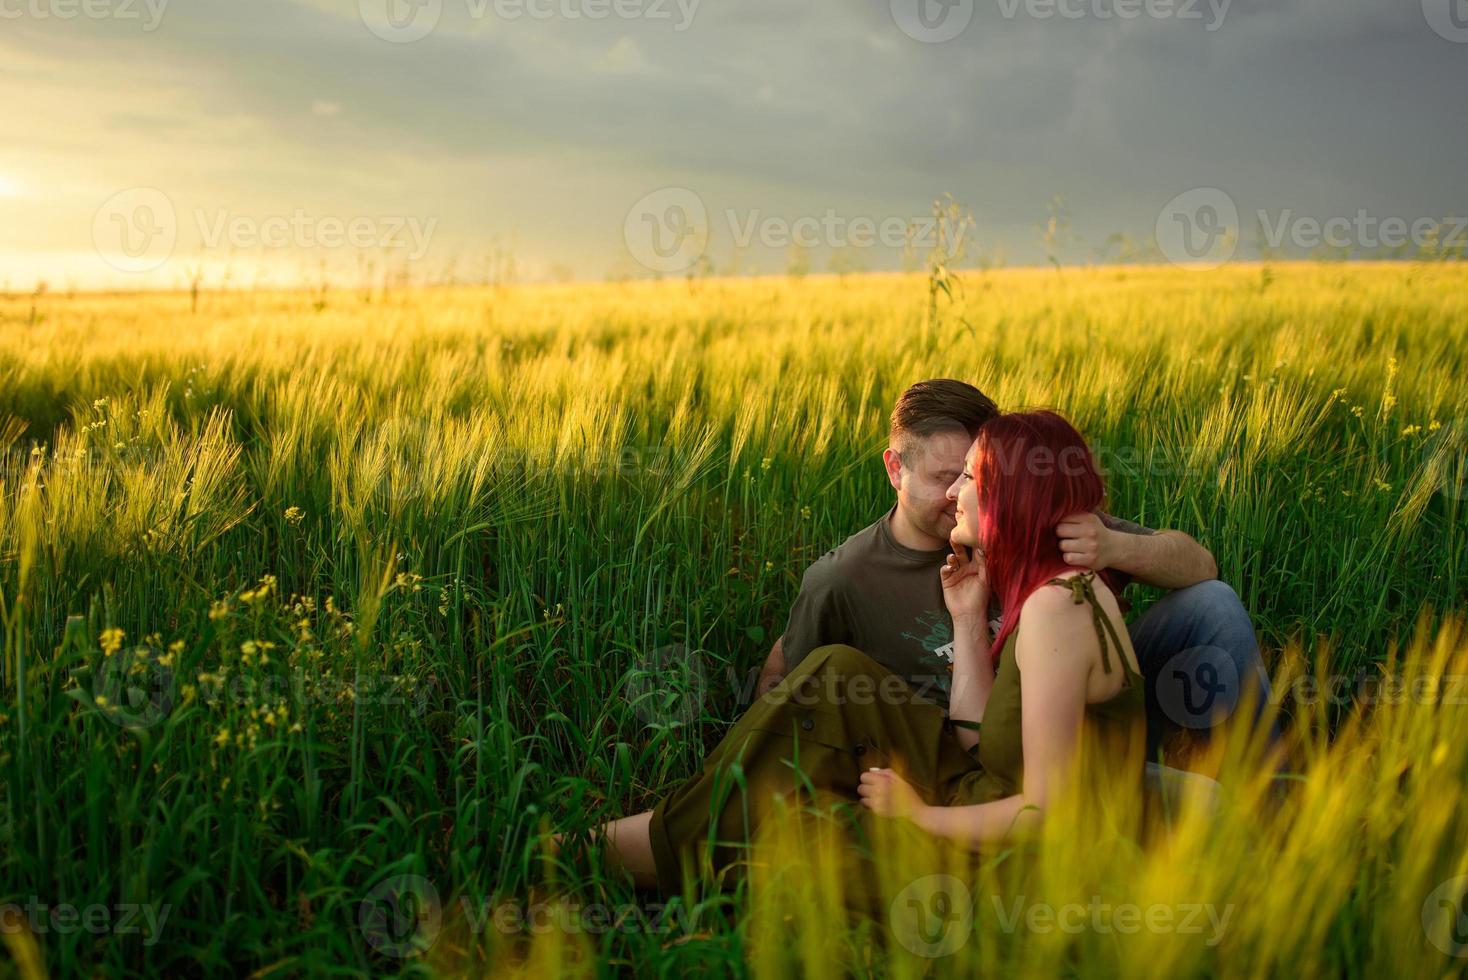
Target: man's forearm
(774,669)
(1166,559)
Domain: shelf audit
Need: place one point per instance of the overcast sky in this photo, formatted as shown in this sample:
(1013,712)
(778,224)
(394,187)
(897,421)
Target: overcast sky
(144,138)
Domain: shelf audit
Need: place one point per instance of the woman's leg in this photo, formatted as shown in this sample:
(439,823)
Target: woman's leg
(835,716)
(629,847)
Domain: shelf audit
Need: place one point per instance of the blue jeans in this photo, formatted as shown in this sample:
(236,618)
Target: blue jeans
(1197,651)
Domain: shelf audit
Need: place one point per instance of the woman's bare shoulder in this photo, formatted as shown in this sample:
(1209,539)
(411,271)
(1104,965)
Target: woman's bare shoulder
(1052,620)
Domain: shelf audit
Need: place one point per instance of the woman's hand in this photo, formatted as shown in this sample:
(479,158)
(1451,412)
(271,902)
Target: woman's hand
(889,795)
(966,585)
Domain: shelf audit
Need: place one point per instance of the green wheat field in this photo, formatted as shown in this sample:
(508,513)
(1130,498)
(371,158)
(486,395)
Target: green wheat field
(321,612)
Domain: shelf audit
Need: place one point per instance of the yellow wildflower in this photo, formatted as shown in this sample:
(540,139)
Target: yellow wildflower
(260,592)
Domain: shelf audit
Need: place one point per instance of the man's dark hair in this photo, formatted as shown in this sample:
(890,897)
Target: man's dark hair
(938,405)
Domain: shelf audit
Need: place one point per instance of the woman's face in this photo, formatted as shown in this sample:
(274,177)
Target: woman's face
(964,492)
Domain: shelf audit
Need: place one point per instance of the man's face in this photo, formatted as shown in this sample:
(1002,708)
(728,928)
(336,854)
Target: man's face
(922,486)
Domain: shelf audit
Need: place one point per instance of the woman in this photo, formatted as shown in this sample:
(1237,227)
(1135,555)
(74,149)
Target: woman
(840,727)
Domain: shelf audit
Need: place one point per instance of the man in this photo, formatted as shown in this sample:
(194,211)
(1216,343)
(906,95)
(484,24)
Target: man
(880,589)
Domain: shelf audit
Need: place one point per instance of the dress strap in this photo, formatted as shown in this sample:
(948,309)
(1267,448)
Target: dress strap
(1081,590)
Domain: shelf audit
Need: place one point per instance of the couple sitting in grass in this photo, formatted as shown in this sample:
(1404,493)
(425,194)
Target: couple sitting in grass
(947,664)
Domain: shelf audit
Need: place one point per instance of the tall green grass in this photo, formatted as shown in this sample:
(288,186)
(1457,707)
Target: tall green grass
(406,581)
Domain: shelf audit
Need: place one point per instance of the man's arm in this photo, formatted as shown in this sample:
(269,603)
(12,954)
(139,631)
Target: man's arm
(817,617)
(1165,559)
(773,671)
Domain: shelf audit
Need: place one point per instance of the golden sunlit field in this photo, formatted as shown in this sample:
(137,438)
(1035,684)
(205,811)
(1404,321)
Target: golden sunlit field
(319,610)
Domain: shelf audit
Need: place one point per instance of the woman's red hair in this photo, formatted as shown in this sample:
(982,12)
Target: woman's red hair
(1032,469)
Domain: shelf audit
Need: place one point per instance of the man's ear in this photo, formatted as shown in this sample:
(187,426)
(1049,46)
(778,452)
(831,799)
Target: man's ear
(893,461)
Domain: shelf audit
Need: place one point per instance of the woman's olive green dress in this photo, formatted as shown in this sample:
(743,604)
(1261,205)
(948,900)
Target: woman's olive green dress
(839,713)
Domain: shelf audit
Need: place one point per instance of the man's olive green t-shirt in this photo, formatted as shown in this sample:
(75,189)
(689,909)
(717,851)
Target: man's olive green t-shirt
(887,601)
